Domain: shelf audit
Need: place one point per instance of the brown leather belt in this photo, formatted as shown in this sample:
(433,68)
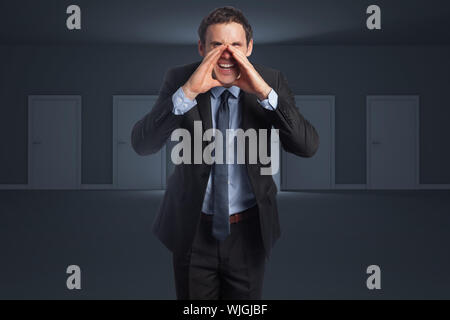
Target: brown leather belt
(236,217)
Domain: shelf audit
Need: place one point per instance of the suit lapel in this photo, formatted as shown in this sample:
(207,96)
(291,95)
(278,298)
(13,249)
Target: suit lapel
(204,108)
(246,107)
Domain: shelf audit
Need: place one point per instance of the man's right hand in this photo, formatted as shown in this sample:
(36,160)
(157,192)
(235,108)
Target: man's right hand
(201,80)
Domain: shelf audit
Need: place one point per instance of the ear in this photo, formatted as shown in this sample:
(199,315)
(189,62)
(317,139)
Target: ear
(249,48)
(201,48)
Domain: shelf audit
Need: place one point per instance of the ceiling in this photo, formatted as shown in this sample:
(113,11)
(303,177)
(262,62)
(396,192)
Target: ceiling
(318,22)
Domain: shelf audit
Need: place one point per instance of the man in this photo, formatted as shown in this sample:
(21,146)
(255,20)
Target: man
(220,220)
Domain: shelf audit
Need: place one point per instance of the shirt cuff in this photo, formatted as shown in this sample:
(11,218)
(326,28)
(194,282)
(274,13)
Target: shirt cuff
(181,104)
(271,102)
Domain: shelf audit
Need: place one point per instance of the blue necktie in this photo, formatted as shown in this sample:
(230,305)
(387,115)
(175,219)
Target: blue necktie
(221,218)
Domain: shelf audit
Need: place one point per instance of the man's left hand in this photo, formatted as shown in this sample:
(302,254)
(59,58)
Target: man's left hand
(249,80)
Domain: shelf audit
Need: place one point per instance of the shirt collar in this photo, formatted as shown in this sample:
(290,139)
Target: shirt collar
(217,91)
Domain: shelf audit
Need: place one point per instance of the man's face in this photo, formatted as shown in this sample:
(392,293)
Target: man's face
(226,69)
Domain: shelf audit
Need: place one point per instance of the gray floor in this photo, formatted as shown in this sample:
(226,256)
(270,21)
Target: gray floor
(328,240)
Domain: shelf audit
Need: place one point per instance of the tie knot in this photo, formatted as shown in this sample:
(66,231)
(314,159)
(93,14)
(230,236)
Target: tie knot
(225,95)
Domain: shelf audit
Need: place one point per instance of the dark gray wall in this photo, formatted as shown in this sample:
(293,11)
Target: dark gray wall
(348,72)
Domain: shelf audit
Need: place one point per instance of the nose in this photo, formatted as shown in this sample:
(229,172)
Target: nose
(226,54)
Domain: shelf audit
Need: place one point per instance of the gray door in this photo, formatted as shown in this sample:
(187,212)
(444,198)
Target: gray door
(132,171)
(54,142)
(392,142)
(317,172)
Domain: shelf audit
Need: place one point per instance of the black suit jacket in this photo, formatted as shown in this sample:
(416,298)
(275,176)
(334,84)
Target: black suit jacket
(179,213)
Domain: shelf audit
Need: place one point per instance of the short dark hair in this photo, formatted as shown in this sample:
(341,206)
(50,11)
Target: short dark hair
(224,15)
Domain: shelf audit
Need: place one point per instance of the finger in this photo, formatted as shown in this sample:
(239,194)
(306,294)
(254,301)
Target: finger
(215,83)
(211,59)
(213,54)
(216,57)
(237,82)
(239,56)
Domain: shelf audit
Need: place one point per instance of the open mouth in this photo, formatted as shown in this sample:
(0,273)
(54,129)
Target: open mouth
(226,66)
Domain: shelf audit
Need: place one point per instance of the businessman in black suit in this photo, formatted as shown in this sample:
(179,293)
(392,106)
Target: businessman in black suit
(220,220)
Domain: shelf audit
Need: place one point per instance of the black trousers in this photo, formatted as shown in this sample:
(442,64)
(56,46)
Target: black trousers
(229,269)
